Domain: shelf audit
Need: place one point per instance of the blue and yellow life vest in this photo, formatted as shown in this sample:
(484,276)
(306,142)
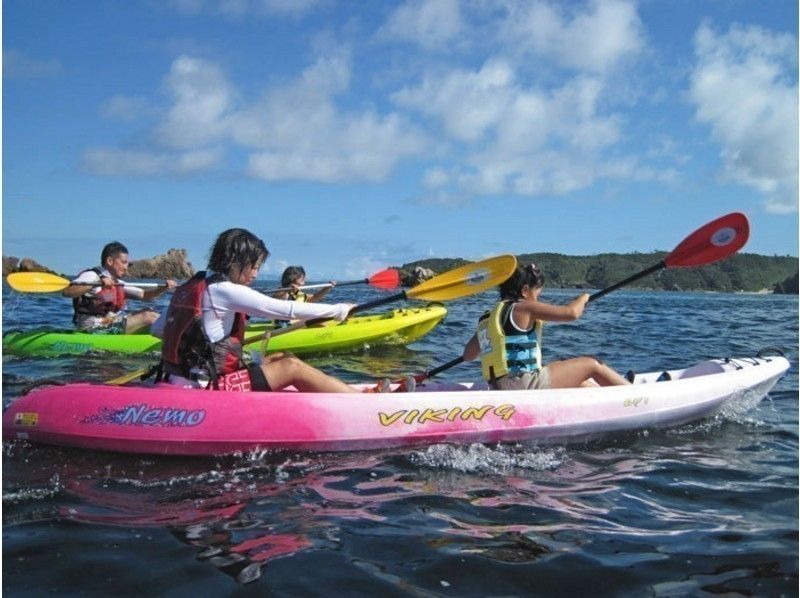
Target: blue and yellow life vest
(503,354)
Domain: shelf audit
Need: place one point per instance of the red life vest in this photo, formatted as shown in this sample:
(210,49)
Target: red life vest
(101,303)
(185,344)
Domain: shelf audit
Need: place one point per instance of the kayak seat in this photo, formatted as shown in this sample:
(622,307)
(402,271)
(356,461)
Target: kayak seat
(705,368)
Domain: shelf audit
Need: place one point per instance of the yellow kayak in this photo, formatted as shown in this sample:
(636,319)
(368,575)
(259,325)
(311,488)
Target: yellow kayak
(397,327)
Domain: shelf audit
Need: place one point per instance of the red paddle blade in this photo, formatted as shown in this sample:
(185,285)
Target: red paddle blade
(716,240)
(386,279)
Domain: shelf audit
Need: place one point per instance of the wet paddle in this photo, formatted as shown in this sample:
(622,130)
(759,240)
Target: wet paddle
(44,282)
(460,282)
(385,279)
(710,243)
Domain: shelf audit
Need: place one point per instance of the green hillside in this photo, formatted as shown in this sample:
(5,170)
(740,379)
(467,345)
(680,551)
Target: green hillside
(741,272)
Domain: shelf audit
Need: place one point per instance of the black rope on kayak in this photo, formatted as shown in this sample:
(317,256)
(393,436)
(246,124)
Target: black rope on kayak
(763,352)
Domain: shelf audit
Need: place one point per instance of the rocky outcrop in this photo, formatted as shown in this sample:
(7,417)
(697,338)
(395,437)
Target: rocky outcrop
(788,286)
(9,265)
(413,277)
(26,264)
(173,264)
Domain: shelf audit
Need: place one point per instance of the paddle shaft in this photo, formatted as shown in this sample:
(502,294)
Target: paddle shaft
(321,285)
(141,285)
(439,369)
(317,321)
(630,279)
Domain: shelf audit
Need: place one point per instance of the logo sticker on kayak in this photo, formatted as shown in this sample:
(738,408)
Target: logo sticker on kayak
(67,347)
(440,416)
(148,416)
(26,419)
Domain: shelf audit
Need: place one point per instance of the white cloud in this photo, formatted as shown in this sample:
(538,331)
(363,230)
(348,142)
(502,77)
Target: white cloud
(595,39)
(289,7)
(744,87)
(203,100)
(274,267)
(365,266)
(303,135)
(125,108)
(521,140)
(118,162)
(17,64)
(242,8)
(433,24)
(435,178)
(468,102)
(294,132)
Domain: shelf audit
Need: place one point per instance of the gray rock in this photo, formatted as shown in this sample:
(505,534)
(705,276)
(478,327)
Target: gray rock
(173,264)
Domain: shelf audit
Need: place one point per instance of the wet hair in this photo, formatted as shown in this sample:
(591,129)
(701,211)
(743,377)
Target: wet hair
(112,250)
(291,274)
(237,247)
(530,276)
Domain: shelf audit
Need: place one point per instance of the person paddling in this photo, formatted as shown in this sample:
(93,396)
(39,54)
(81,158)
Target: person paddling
(509,340)
(99,296)
(203,328)
(294,277)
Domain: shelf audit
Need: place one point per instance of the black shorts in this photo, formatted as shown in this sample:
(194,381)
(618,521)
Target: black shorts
(248,379)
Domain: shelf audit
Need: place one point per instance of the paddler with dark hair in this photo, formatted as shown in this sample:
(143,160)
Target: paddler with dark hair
(509,340)
(292,279)
(99,296)
(203,328)
(295,277)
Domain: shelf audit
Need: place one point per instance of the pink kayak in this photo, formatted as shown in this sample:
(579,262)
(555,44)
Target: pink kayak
(173,421)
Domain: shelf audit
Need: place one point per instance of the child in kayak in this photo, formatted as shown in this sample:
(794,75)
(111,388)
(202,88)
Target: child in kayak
(99,296)
(295,277)
(508,340)
(203,329)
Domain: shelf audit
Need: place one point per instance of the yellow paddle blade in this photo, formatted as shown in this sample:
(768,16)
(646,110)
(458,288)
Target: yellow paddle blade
(466,280)
(36,282)
(125,378)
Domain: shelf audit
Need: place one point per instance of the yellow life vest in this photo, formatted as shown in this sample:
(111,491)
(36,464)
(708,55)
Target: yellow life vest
(513,354)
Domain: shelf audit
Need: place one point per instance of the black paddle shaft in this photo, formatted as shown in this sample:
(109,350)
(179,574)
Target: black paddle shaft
(443,367)
(364,306)
(628,280)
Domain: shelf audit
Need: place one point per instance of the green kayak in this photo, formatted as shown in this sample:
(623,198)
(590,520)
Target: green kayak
(398,327)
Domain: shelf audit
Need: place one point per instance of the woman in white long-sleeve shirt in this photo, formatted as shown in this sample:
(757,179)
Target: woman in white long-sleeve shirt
(203,328)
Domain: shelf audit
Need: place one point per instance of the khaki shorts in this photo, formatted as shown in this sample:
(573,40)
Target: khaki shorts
(537,380)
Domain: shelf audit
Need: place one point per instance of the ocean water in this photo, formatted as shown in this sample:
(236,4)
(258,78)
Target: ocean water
(709,508)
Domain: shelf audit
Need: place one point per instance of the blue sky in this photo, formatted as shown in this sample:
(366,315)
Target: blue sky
(352,136)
